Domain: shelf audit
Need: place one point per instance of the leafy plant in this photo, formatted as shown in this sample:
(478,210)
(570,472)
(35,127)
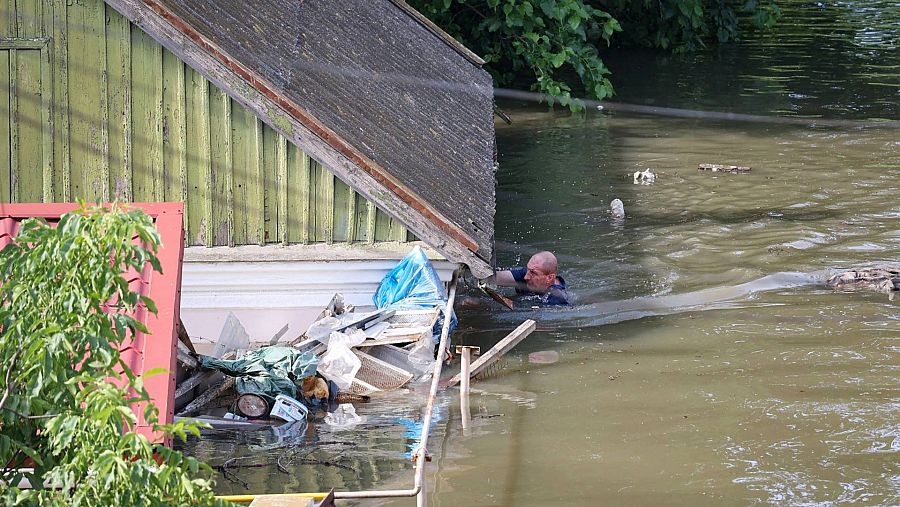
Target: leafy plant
(66,309)
(541,41)
(553,46)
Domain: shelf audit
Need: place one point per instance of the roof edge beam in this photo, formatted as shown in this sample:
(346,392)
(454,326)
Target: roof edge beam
(287,118)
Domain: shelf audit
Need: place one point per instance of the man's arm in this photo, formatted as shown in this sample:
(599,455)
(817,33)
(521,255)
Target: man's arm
(502,279)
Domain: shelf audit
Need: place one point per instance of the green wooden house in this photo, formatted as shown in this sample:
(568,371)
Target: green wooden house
(311,142)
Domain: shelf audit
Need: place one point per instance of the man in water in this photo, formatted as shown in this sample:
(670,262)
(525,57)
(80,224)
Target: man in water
(537,278)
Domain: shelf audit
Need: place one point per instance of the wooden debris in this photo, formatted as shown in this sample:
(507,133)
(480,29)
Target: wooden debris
(198,378)
(278,335)
(499,350)
(205,399)
(719,168)
(883,279)
(184,338)
(186,358)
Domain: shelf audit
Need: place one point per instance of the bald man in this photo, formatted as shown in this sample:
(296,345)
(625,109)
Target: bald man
(537,278)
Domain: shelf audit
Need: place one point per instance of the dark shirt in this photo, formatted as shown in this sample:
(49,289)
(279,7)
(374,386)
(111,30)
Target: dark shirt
(556,295)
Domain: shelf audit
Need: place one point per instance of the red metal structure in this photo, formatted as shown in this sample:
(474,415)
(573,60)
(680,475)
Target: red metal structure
(145,351)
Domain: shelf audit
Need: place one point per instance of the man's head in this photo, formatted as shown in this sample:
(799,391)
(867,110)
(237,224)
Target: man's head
(541,272)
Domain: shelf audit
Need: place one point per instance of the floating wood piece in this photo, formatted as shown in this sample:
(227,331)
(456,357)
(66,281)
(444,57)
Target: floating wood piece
(719,168)
(208,396)
(186,358)
(499,350)
(198,378)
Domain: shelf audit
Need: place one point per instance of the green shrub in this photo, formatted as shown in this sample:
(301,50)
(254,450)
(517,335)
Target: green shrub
(65,310)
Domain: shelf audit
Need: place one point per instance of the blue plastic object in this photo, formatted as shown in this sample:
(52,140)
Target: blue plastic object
(411,285)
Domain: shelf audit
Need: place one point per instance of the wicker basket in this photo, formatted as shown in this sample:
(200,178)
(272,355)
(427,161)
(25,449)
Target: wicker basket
(380,374)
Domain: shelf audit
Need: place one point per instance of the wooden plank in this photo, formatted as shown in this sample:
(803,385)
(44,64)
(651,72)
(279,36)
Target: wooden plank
(46,126)
(304,185)
(499,350)
(242,140)
(8,19)
(269,170)
(228,174)
(30,126)
(327,193)
(382,226)
(217,103)
(198,163)
(13,126)
(100,183)
(352,217)
(205,399)
(30,18)
(398,231)
(292,201)
(147,116)
(220,138)
(5,130)
(175,129)
(118,52)
(60,36)
(256,227)
(281,180)
(340,213)
(371,220)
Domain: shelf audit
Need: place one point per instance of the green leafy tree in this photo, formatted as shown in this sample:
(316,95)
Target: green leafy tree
(543,42)
(65,310)
(554,46)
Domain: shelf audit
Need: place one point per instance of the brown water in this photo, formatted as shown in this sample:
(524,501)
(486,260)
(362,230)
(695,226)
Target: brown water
(704,362)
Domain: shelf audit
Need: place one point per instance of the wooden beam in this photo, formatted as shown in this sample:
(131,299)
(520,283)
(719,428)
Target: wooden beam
(499,350)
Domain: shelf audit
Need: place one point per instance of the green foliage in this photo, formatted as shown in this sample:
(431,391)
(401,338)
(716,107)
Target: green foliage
(65,310)
(553,45)
(542,41)
(687,25)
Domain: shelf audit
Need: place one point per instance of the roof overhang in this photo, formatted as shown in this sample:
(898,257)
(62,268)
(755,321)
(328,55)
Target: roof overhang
(468,243)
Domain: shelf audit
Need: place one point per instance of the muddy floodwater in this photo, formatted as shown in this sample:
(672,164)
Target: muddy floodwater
(704,362)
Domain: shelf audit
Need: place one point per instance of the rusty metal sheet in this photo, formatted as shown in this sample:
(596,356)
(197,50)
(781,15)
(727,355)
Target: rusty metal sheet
(143,352)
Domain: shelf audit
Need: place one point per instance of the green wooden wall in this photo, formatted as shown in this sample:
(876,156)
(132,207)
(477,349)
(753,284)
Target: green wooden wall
(95,109)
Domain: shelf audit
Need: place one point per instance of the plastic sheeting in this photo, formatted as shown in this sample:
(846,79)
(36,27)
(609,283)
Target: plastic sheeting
(268,371)
(411,285)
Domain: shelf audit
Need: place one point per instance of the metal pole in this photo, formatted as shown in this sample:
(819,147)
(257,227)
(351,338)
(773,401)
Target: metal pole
(419,482)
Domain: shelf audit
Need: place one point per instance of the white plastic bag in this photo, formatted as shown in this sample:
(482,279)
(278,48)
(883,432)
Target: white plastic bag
(339,364)
(343,418)
(320,329)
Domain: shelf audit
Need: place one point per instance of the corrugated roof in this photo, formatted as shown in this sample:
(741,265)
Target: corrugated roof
(380,97)
(144,352)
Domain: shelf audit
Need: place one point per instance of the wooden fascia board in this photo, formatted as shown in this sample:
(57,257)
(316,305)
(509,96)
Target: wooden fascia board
(296,124)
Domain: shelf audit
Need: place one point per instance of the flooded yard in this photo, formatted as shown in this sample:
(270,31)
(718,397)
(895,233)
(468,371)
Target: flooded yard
(730,390)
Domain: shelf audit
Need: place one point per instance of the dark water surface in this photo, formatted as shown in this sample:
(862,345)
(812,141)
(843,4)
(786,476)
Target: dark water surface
(704,362)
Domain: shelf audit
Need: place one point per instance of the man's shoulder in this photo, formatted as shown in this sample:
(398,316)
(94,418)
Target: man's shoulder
(519,273)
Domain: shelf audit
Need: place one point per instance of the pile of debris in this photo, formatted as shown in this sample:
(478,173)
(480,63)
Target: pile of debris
(344,357)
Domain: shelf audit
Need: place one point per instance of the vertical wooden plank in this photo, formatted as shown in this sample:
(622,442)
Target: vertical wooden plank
(174,129)
(257,227)
(88,139)
(242,127)
(29,18)
(5,131)
(398,231)
(60,133)
(362,213)
(269,194)
(199,161)
(340,218)
(208,184)
(13,127)
(304,184)
(282,184)
(382,226)
(352,219)
(327,194)
(371,219)
(100,185)
(8,19)
(292,194)
(46,126)
(147,117)
(118,57)
(222,197)
(28,126)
